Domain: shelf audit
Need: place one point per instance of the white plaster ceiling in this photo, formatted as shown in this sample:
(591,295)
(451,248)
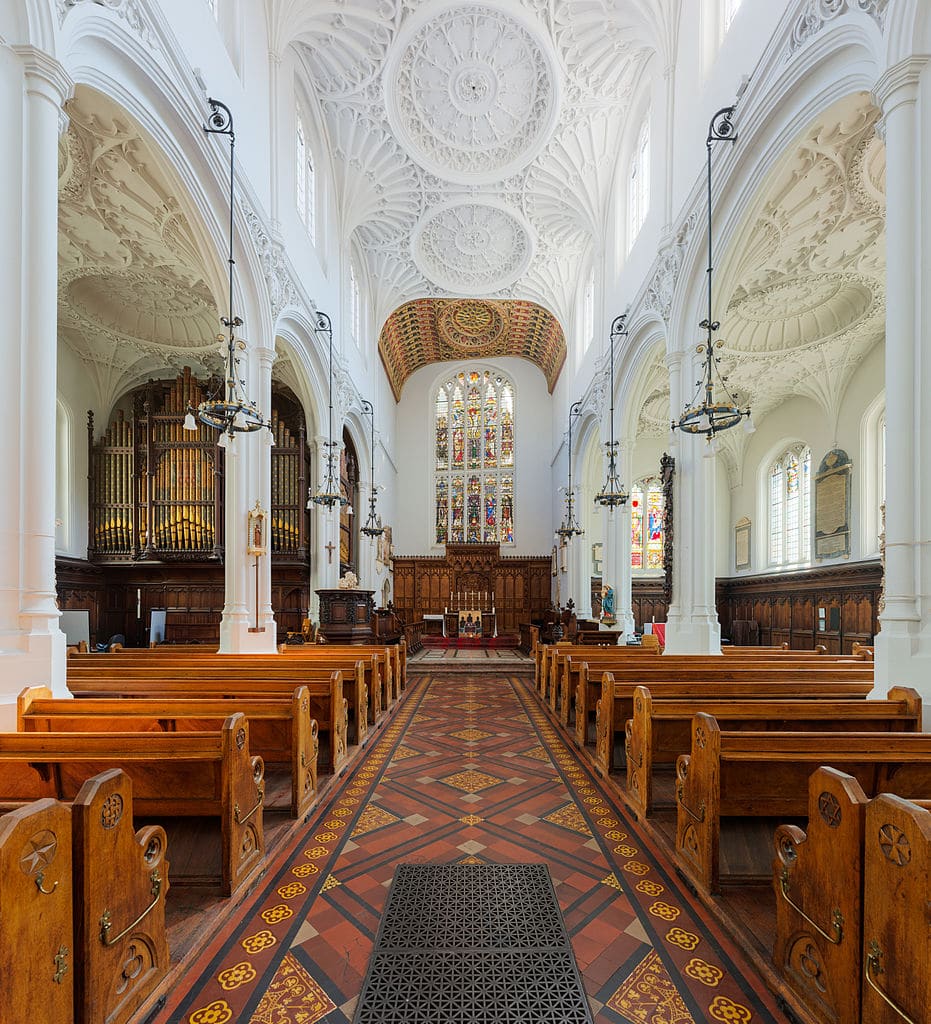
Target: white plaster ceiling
(133,300)
(475,143)
(804,292)
(803,283)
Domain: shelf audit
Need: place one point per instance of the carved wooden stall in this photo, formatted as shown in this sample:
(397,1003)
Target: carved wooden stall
(427,585)
(155,538)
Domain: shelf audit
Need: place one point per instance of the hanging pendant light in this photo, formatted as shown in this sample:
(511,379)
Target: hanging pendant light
(569,528)
(707,414)
(613,493)
(328,495)
(227,409)
(373,527)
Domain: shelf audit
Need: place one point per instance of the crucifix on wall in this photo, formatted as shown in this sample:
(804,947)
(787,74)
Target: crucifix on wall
(330,548)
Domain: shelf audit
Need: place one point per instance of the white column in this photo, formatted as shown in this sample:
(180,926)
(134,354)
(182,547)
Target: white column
(33,87)
(616,571)
(261,480)
(235,623)
(692,622)
(903,645)
(582,558)
(326,526)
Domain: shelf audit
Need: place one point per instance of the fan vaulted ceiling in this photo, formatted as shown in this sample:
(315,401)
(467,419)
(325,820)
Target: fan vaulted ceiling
(475,143)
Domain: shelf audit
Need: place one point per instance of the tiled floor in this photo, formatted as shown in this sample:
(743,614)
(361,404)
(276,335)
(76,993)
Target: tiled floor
(471,770)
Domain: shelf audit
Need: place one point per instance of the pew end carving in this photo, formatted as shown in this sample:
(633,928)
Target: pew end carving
(817,880)
(120,881)
(36,913)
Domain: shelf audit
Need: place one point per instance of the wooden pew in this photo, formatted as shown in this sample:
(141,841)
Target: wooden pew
(615,703)
(897,897)
(660,728)
(328,705)
(376,671)
(765,774)
(282,731)
(361,685)
(37,961)
(565,668)
(72,878)
(824,895)
(204,774)
(569,700)
(120,885)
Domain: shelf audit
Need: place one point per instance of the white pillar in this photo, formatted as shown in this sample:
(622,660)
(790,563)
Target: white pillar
(903,645)
(692,623)
(616,566)
(582,547)
(33,87)
(325,527)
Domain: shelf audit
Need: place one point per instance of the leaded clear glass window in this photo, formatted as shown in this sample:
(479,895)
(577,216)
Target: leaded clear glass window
(304,178)
(646,525)
(638,185)
(790,507)
(474,459)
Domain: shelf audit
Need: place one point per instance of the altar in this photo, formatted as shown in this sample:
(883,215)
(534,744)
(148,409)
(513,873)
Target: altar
(471,624)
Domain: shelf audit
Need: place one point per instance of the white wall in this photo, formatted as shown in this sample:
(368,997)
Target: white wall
(533,527)
(802,419)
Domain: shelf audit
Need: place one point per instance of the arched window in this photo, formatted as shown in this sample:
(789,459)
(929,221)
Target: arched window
(355,305)
(638,185)
(790,507)
(587,331)
(304,178)
(729,10)
(474,460)
(646,525)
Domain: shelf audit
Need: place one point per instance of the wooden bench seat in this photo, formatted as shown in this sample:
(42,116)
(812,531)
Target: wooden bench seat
(573,701)
(766,774)
(392,659)
(615,705)
(281,730)
(327,703)
(660,727)
(361,675)
(203,774)
(83,894)
(825,891)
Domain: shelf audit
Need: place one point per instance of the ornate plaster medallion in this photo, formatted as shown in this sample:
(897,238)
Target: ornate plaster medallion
(471,91)
(472,248)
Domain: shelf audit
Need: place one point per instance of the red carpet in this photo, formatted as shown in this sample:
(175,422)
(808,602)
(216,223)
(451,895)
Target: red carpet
(470,771)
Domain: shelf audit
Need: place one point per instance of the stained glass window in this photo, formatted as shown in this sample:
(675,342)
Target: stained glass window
(646,525)
(474,428)
(790,507)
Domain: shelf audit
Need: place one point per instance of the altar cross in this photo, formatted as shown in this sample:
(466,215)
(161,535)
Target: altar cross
(330,548)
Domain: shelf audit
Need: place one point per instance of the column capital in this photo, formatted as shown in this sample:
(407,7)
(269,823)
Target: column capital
(266,356)
(674,360)
(899,84)
(45,76)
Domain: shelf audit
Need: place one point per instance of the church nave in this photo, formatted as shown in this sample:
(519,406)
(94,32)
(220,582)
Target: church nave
(469,770)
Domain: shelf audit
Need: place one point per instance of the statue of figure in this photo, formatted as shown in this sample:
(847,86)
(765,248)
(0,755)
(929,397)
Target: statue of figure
(607,603)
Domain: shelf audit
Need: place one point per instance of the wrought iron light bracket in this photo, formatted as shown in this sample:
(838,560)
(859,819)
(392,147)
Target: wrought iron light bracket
(706,414)
(373,527)
(227,409)
(613,492)
(328,494)
(569,528)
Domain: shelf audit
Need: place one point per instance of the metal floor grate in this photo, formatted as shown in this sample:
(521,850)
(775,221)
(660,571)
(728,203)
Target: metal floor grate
(472,944)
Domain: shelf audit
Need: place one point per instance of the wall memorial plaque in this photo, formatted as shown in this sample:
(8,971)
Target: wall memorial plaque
(742,544)
(832,506)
